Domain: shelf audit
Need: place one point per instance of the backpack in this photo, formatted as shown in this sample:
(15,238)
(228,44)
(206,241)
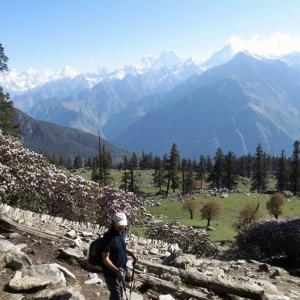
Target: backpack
(95,255)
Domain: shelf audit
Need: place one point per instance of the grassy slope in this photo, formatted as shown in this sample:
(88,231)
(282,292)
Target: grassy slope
(171,209)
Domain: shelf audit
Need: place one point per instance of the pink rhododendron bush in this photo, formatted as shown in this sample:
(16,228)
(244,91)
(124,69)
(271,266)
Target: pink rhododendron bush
(190,240)
(271,238)
(28,181)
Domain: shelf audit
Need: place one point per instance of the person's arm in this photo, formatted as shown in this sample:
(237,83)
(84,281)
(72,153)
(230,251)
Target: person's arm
(110,265)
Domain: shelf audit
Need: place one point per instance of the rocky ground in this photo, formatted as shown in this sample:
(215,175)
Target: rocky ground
(45,258)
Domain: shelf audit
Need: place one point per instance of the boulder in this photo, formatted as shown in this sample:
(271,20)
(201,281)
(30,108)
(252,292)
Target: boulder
(72,253)
(11,256)
(47,272)
(70,293)
(25,283)
(14,235)
(11,296)
(71,234)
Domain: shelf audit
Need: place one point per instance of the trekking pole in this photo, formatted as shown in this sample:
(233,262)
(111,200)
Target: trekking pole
(132,278)
(123,283)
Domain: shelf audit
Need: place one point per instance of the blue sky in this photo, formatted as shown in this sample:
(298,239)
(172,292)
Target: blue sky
(52,33)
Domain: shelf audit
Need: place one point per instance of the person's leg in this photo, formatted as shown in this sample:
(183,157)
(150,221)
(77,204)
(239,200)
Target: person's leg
(115,287)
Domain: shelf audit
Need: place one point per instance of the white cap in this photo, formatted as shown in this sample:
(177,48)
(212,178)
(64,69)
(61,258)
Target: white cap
(120,218)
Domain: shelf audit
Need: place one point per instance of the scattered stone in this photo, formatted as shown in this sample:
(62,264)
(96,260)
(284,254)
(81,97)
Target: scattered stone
(94,281)
(71,234)
(264,268)
(11,256)
(21,246)
(210,228)
(70,252)
(9,296)
(69,293)
(47,272)
(20,283)
(14,235)
(154,251)
(165,297)
(66,272)
(224,195)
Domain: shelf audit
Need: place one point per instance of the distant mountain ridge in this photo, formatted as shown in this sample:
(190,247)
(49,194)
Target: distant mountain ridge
(235,106)
(47,138)
(130,103)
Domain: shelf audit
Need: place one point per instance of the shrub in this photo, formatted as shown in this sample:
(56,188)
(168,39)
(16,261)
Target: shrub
(270,238)
(248,213)
(210,210)
(190,204)
(275,204)
(28,181)
(190,240)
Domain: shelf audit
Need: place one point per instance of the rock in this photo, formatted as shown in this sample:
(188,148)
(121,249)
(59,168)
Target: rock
(46,272)
(166,297)
(87,233)
(154,251)
(70,252)
(71,234)
(14,235)
(264,268)
(278,272)
(94,281)
(172,278)
(210,228)
(11,256)
(9,296)
(79,243)
(66,272)
(25,283)
(224,195)
(21,246)
(69,293)
(135,296)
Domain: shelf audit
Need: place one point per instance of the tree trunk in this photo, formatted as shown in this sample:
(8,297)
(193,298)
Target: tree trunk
(168,185)
(164,287)
(208,222)
(216,284)
(191,214)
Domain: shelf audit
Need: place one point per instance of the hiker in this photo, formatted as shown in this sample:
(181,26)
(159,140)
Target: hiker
(114,256)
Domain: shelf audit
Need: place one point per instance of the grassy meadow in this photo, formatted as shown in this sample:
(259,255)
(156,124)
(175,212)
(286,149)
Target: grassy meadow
(171,207)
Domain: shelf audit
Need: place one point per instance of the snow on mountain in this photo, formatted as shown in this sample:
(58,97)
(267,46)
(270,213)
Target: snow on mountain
(19,82)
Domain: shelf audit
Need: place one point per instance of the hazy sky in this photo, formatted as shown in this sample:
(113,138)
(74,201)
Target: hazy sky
(84,33)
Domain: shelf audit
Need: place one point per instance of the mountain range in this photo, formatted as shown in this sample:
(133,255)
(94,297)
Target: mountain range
(232,100)
(48,139)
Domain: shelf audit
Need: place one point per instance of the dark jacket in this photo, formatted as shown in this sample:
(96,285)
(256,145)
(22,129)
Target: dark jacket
(114,243)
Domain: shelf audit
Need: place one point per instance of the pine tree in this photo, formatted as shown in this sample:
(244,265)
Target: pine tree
(77,162)
(173,166)
(295,164)
(106,164)
(183,171)
(125,181)
(282,174)
(159,173)
(201,170)
(230,170)
(259,177)
(134,161)
(6,105)
(218,172)
(189,178)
